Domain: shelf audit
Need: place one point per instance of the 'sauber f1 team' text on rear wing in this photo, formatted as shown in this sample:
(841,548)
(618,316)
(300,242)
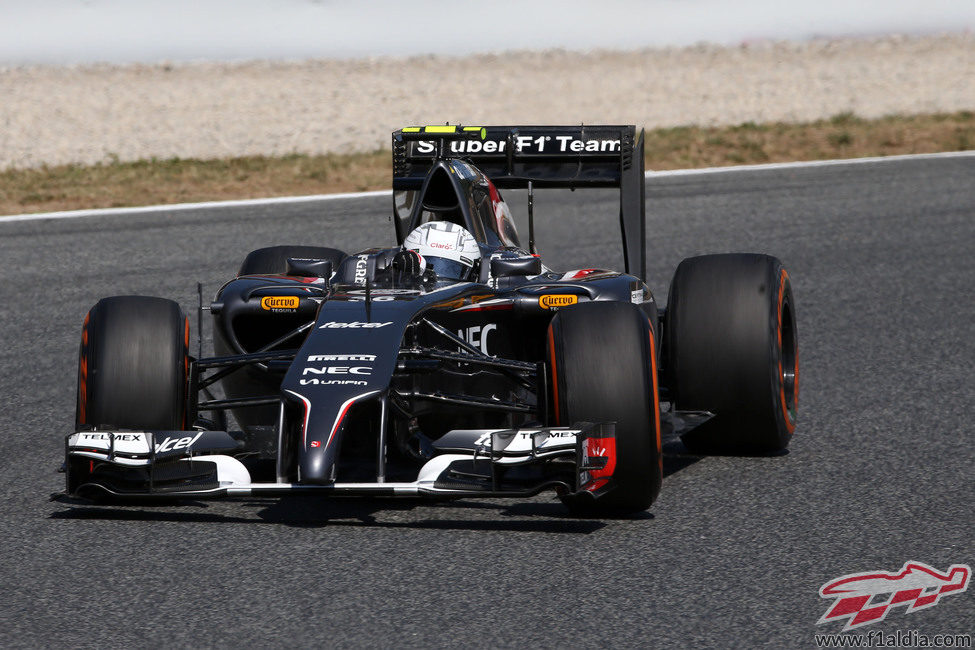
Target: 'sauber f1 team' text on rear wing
(546,156)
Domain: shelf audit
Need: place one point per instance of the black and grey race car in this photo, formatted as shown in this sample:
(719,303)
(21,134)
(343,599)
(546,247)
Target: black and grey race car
(472,373)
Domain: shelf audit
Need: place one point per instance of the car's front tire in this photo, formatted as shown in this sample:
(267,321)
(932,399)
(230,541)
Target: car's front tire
(602,362)
(133,365)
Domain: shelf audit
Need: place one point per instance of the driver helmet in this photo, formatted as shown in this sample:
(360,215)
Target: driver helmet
(446,248)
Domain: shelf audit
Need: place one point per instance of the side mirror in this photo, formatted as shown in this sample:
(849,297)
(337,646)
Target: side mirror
(309,268)
(507,267)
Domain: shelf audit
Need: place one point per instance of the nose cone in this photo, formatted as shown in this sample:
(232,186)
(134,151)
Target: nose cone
(315,465)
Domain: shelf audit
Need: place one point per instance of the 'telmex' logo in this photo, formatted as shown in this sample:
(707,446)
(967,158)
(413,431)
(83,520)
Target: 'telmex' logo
(280,303)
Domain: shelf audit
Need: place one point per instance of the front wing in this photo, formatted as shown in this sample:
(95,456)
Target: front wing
(492,463)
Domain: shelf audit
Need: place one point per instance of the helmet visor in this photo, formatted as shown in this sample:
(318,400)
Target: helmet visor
(448,269)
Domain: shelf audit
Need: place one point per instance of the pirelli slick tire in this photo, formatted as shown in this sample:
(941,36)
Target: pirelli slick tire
(133,365)
(732,348)
(602,360)
(273,260)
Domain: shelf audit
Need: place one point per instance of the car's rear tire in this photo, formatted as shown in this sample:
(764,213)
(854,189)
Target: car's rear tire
(273,260)
(133,365)
(732,349)
(602,360)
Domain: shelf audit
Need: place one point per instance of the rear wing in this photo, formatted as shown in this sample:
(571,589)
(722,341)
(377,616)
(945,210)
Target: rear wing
(546,156)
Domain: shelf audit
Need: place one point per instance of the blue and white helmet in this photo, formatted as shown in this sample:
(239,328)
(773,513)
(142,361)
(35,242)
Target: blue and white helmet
(446,248)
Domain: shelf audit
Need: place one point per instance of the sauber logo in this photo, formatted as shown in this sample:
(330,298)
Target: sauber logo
(280,303)
(527,144)
(554,301)
(865,598)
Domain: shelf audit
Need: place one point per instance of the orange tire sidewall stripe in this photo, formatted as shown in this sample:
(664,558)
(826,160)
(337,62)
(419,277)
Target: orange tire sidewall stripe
(656,401)
(790,425)
(83,374)
(186,364)
(555,379)
(186,348)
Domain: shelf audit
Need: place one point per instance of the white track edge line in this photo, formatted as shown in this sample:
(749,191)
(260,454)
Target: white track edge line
(809,163)
(178,207)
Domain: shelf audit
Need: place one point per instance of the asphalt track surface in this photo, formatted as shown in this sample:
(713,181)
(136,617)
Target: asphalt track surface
(881,470)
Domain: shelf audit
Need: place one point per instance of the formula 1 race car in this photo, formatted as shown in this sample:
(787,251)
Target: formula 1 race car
(455,364)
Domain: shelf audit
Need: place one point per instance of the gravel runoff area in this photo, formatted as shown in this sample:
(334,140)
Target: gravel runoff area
(88,114)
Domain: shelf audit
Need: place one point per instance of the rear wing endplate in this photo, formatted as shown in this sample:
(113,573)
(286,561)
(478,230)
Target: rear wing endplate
(547,156)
